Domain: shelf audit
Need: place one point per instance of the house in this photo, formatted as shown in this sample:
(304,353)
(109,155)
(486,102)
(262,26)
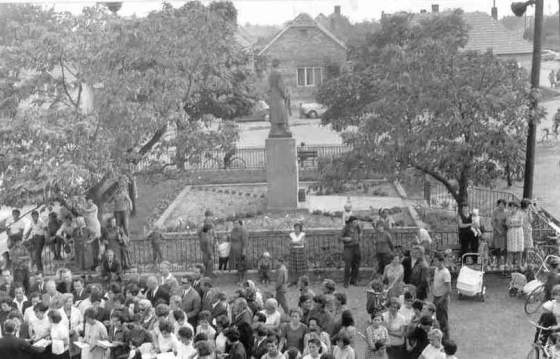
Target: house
(486,32)
(307,51)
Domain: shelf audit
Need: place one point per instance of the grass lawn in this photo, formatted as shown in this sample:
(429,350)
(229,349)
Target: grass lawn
(494,329)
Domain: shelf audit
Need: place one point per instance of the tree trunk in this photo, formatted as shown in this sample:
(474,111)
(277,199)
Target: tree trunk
(463,193)
(509,179)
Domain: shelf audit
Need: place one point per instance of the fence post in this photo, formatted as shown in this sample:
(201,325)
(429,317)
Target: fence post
(428,192)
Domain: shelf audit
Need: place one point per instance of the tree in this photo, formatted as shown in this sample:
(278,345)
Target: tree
(177,67)
(416,99)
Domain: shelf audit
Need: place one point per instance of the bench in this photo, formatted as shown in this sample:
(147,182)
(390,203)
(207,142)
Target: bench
(304,155)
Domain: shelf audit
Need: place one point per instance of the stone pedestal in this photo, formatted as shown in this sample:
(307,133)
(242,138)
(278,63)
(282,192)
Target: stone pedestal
(282,173)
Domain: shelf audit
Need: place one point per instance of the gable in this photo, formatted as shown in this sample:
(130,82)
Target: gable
(302,23)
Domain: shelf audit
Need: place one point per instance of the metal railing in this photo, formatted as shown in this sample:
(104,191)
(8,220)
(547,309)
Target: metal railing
(242,158)
(182,250)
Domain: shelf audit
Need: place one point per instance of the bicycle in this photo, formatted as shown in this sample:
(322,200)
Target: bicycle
(538,349)
(229,161)
(535,299)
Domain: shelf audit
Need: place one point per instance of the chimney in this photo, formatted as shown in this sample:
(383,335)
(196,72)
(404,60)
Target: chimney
(337,10)
(435,8)
(494,11)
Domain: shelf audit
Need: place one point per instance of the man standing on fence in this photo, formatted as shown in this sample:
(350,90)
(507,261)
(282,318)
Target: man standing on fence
(351,235)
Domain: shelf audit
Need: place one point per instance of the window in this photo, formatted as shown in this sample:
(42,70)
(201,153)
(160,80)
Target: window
(309,76)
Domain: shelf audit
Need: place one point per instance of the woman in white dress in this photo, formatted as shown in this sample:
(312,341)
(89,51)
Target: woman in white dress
(73,319)
(515,238)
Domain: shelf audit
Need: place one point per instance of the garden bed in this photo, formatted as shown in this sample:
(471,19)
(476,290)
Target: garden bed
(248,203)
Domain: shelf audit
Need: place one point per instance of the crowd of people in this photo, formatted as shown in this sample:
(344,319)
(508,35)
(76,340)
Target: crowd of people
(76,236)
(190,317)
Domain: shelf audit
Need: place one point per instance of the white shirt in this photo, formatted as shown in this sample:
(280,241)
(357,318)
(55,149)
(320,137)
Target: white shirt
(186,351)
(223,249)
(16,227)
(431,352)
(394,324)
(41,328)
(60,337)
(37,229)
(170,344)
(76,319)
(29,315)
(441,278)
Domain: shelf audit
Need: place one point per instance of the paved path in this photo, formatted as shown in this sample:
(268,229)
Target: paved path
(254,134)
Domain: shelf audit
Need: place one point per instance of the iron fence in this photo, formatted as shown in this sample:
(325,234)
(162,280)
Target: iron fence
(323,248)
(242,158)
(437,195)
(486,200)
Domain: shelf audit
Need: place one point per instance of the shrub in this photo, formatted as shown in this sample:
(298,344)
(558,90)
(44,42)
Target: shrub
(317,212)
(260,212)
(226,191)
(337,214)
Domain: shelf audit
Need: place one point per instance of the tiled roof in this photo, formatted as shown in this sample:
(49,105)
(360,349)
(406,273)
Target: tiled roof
(488,33)
(303,20)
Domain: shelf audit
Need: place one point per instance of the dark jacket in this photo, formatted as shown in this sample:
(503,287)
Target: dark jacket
(63,288)
(237,351)
(259,349)
(107,270)
(191,304)
(160,293)
(420,277)
(12,347)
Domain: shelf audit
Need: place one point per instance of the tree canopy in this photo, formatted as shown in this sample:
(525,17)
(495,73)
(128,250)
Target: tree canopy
(85,98)
(416,99)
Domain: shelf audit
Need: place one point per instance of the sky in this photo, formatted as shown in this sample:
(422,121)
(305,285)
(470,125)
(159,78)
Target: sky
(275,12)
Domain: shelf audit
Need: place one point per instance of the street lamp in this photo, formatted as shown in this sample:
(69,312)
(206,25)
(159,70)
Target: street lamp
(519,9)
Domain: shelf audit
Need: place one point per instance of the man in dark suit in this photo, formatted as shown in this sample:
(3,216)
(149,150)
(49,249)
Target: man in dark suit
(79,292)
(220,306)
(7,286)
(110,267)
(259,347)
(190,299)
(208,294)
(39,285)
(12,347)
(155,292)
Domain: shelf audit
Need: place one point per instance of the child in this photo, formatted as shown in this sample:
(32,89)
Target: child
(264,265)
(204,326)
(375,300)
(343,349)
(450,348)
(155,239)
(475,225)
(242,269)
(223,251)
(450,261)
(483,248)
(377,338)
(186,349)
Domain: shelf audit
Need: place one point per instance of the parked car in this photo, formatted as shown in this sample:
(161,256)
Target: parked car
(260,113)
(311,109)
(548,55)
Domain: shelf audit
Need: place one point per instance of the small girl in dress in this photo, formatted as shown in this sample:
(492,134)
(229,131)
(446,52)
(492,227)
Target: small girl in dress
(264,265)
(475,225)
(377,338)
(483,248)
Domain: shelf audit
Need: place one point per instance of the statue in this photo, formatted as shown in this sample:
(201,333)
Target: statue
(279,104)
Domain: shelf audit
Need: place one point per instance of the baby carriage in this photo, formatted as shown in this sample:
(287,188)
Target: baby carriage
(470,283)
(518,282)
